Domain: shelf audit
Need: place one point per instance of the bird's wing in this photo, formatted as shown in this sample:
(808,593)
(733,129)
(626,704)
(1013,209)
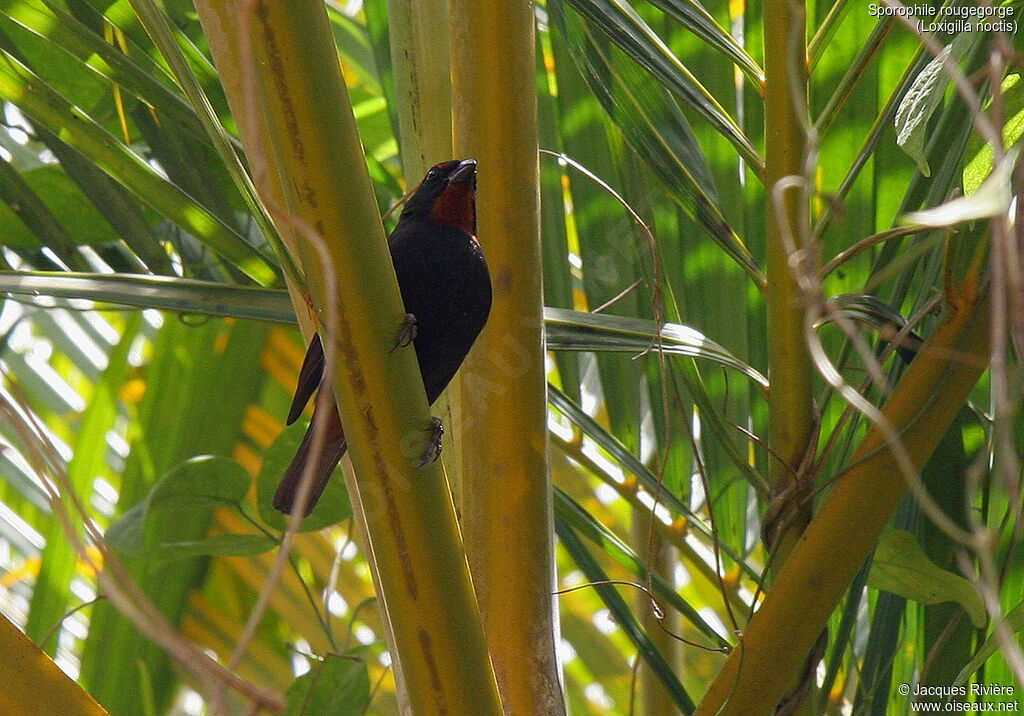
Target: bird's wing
(309,378)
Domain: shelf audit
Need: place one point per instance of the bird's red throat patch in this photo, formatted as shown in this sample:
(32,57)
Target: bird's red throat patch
(456,208)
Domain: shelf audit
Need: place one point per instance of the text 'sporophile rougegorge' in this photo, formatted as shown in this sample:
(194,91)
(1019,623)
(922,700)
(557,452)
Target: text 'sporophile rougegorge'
(953,19)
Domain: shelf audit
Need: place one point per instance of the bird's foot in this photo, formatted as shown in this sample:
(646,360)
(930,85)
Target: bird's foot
(433,451)
(406,334)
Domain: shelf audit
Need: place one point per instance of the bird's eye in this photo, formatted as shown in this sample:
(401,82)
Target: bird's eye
(431,174)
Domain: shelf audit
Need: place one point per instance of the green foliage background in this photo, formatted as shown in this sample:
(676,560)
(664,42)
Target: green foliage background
(120,156)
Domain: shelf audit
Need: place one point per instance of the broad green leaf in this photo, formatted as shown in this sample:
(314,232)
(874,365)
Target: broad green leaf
(339,685)
(126,534)
(197,485)
(215,546)
(901,567)
(201,483)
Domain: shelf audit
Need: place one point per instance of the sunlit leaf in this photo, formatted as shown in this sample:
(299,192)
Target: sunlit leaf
(979,166)
(991,199)
(176,295)
(579,331)
(923,97)
(901,567)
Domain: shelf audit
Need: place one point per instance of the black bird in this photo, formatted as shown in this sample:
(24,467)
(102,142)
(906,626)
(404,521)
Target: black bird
(445,285)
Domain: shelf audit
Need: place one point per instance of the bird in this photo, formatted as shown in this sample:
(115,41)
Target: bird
(446,290)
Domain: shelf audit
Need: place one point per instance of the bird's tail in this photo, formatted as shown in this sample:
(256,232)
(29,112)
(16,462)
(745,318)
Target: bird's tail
(333,448)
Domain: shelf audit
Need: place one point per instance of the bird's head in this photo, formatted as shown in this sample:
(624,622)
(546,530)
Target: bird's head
(447,195)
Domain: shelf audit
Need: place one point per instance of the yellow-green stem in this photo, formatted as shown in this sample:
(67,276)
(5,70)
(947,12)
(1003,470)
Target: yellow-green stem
(506,514)
(419,39)
(790,402)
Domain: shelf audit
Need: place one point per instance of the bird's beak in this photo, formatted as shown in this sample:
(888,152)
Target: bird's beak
(465,173)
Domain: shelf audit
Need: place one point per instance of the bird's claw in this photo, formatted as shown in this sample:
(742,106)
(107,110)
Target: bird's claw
(433,451)
(406,334)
